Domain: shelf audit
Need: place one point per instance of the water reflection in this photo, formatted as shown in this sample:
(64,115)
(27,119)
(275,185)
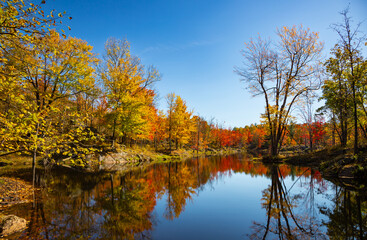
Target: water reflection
(347,216)
(294,203)
(284,219)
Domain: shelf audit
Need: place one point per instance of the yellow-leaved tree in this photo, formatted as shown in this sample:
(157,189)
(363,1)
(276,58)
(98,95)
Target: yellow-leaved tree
(180,122)
(127,85)
(41,116)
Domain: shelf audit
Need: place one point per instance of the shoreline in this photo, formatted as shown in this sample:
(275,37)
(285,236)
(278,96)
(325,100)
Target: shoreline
(336,164)
(113,160)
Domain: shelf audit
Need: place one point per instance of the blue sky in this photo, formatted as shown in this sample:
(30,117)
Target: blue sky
(195,44)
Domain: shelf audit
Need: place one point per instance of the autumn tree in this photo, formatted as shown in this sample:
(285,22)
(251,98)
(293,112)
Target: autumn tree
(127,85)
(281,74)
(159,128)
(362,96)
(21,22)
(200,138)
(183,122)
(337,92)
(180,123)
(350,43)
(20,18)
(56,68)
(40,116)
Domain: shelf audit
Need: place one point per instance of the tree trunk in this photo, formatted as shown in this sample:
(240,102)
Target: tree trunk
(34,167)
(355,119)
(34,164)
(274,148)
(113,132)
(311,142)
(35,156)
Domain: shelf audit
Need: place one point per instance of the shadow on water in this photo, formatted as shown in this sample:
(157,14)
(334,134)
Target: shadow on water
(296,204)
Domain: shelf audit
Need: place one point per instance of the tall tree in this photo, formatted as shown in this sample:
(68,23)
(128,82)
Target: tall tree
(337,92)
(50,72)
(282,74)
(127,84)
(350,42)
(180,122)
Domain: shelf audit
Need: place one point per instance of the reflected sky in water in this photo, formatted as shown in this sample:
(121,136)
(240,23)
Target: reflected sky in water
(208,198)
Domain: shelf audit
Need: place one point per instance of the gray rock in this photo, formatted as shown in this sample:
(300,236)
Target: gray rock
(11,224)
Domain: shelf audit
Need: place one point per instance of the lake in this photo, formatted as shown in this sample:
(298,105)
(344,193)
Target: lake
(228,197)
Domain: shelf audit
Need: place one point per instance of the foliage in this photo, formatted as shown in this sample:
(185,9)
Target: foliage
(180,123)
(60,102)
(127,86)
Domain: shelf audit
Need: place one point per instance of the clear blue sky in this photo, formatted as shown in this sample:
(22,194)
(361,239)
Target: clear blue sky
(195,44)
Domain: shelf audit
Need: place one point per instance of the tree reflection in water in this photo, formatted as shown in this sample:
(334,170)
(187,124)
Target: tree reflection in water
(284,220)
(123,205)
(180,188)
(348,215)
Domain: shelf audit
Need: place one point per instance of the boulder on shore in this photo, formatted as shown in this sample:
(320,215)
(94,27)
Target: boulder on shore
(11,224)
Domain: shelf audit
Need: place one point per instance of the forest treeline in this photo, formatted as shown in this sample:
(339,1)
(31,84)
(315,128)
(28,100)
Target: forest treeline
(59,100)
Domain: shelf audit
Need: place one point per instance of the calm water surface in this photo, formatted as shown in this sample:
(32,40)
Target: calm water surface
(208,198)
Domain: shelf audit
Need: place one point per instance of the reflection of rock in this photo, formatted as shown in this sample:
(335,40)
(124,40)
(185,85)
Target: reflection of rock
(11,224)
(121,161)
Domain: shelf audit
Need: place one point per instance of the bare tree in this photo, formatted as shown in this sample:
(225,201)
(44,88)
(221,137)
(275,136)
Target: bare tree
(282,73)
